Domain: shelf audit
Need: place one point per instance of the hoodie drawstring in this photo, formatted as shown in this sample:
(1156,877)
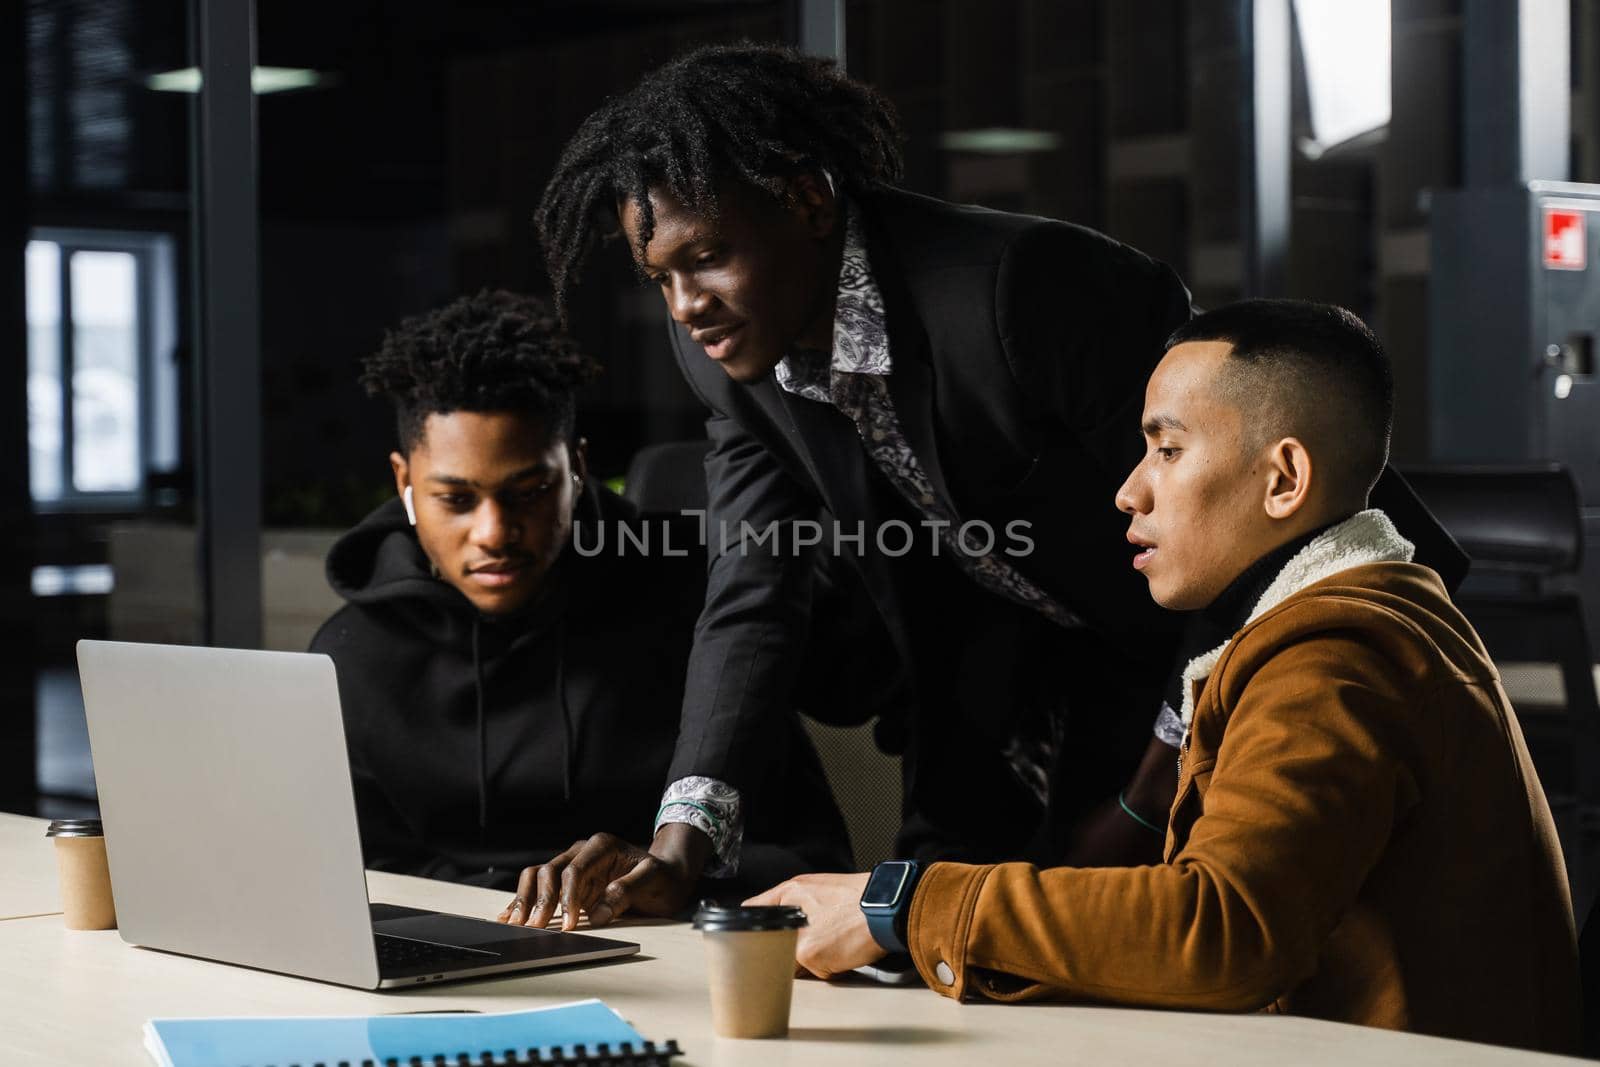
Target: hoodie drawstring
(567,745)
(568,748)
(483,745)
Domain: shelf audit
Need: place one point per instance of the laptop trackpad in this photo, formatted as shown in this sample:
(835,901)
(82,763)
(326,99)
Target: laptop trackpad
(451,929)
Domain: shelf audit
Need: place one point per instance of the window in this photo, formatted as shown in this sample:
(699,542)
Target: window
(102,387)
(1346,48)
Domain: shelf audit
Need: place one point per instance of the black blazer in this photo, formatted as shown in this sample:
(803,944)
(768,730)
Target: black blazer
(1021,350)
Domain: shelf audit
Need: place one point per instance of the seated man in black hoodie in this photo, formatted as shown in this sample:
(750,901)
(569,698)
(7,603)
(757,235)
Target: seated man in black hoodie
(505,690)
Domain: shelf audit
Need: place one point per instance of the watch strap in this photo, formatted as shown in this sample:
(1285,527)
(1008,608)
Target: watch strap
(882,924)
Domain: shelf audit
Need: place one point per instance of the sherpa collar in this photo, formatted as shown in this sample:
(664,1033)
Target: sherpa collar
(1366,537)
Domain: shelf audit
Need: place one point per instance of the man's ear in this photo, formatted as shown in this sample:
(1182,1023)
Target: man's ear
(1289,477)
(815,203)
(580,459)
(402,472)
(402,483)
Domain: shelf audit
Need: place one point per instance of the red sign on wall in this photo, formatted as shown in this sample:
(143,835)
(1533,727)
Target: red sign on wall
(1566,239)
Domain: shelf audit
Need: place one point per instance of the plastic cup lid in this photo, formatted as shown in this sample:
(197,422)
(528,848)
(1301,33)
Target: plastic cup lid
(75,828)
(717,918)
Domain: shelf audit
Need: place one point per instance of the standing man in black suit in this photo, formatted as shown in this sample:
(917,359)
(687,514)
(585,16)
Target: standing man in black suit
(957,391)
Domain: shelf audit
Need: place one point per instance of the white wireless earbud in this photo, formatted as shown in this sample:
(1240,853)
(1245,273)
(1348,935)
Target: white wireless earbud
(411,507)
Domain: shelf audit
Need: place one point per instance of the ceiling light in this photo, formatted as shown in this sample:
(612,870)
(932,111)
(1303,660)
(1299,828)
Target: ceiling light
(262,79)
(999,141)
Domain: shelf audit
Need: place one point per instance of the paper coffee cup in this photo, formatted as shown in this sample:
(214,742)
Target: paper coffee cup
(750,963)
(86,901)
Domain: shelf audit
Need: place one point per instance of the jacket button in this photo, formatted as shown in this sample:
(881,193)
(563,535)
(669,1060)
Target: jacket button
(945,975)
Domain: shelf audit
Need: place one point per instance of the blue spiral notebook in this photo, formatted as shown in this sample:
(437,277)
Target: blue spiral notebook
(585,1032)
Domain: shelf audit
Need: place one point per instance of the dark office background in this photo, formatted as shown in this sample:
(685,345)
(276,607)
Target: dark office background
(408,173)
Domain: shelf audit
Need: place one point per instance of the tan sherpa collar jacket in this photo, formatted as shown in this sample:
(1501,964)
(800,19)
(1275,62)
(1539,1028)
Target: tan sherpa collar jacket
(1358,835)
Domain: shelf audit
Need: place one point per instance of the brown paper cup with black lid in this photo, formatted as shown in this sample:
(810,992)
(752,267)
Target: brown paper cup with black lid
(85,877)
(750,963)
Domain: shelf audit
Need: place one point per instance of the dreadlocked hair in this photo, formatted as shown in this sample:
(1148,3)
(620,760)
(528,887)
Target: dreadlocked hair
(750,113)
(493,351)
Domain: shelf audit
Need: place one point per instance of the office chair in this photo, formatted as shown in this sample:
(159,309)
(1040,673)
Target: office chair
(665,479)
(1589,973)
(1523,528)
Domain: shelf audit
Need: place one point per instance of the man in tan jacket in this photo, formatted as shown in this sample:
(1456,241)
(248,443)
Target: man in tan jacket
(1359,833)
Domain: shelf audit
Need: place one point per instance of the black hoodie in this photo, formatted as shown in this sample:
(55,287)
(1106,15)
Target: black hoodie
(480,745)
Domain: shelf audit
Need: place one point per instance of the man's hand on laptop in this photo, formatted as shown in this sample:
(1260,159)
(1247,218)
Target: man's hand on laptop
(605,877)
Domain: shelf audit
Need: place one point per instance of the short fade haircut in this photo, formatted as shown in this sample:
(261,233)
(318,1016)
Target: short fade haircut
(1309,370)
(754,114)
(489,352)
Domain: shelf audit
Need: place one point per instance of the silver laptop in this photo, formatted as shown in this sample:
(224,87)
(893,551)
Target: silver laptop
(231,826)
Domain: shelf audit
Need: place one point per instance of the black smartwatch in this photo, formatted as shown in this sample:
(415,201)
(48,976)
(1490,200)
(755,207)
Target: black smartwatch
(886,902)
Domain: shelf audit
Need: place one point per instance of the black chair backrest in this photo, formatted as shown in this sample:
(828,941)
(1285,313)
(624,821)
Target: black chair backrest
(1589,971)
(1522,519)
(667,478)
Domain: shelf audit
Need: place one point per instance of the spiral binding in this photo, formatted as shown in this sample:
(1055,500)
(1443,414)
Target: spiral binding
(648,1054)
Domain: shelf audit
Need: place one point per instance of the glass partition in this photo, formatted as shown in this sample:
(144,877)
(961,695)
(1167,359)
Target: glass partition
(108,313)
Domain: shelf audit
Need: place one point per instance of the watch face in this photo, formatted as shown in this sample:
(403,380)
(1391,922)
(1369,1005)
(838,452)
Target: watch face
(883,888)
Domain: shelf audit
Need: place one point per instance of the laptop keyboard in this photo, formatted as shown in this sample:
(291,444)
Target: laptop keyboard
(406,953)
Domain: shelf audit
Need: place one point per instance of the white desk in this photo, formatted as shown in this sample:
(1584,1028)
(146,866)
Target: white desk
(82,997)
(28,883)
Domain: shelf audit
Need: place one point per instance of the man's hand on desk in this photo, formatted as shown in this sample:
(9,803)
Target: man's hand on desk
(606,876)
(835,939)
